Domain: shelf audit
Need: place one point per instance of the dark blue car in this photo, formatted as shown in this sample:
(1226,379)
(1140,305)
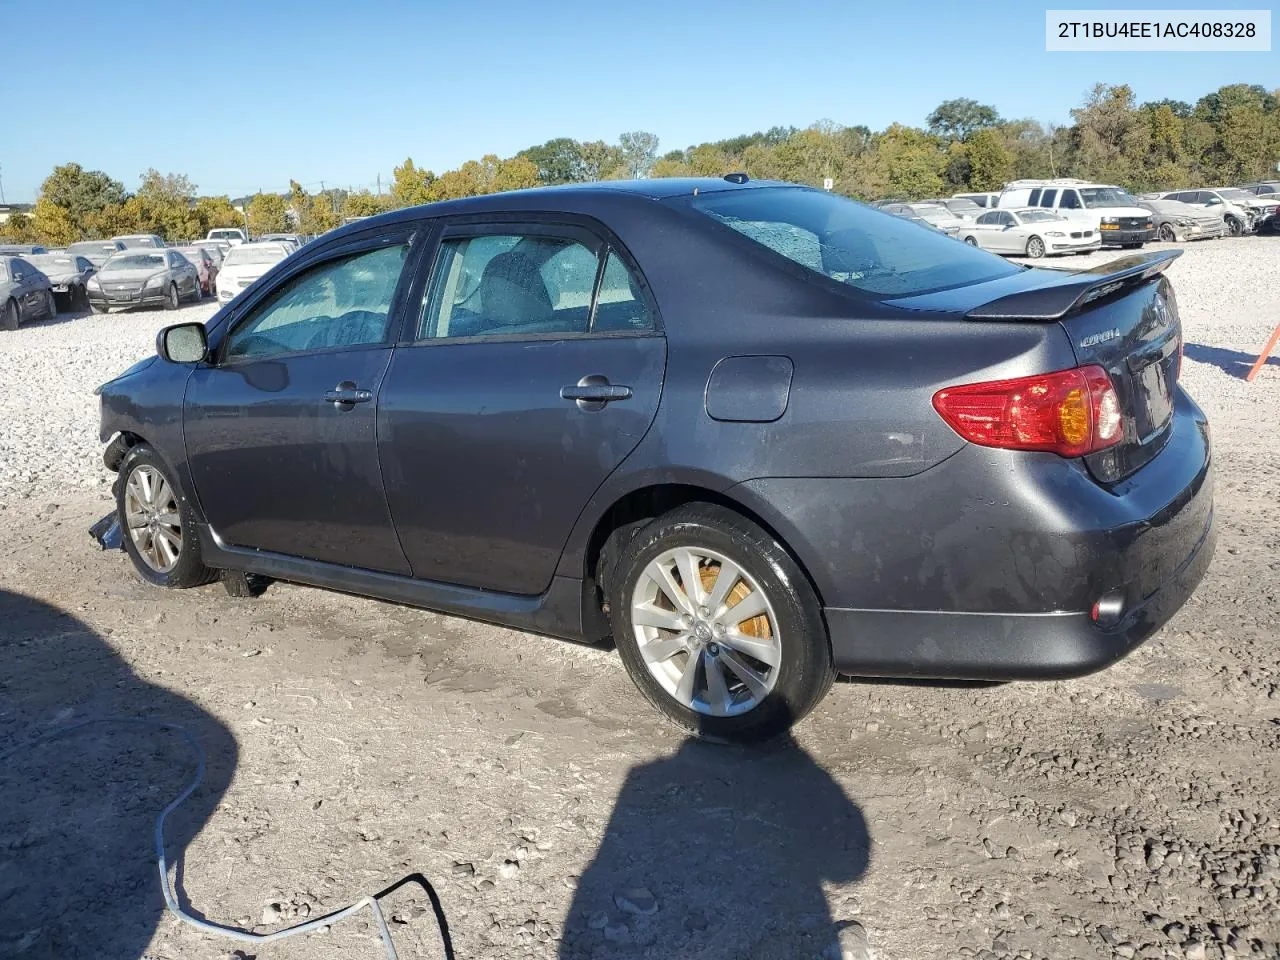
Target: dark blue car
(756,433)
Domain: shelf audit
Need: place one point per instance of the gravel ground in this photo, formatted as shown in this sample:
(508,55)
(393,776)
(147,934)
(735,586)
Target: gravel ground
(1133,813)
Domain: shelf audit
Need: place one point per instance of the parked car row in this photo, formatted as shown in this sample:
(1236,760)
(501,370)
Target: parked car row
(1037,218)
(133,270)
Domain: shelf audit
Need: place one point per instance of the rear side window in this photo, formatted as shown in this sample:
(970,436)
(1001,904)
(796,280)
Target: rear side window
(1034,199)
(866,249)
(512,284)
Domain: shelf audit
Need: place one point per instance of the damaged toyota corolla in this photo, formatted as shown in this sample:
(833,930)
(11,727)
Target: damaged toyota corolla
(755,433)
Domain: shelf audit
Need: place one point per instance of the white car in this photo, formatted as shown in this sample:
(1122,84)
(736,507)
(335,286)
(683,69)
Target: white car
(1106,209)
(232,235)
(245,264)
(1030,233)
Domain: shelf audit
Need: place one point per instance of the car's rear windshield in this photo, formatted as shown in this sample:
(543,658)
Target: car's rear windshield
(224,234)
(1233,193)
(242,255)
(874,252)
(134,261)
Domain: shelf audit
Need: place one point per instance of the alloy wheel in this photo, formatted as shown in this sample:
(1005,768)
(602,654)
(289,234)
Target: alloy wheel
(1035,248)
(1166,233)
(706,630)
(152,518)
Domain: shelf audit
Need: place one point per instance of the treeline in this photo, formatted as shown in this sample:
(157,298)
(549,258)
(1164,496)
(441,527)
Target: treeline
(1227,136)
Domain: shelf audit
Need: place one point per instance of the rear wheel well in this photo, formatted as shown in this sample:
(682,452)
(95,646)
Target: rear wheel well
(624,519)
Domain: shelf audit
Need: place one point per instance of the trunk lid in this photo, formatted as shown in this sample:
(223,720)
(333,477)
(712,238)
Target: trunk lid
(1122,316)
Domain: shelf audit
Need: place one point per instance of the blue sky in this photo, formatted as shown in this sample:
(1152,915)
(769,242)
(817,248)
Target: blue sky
(244,96)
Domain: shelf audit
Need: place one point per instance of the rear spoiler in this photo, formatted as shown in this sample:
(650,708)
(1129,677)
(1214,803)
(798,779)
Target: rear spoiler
(1054,301)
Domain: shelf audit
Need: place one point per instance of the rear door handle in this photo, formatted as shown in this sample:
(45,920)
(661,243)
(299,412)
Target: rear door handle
(347,394)
(594,391)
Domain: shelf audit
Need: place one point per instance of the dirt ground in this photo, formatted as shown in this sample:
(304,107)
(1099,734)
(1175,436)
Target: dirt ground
(352,744)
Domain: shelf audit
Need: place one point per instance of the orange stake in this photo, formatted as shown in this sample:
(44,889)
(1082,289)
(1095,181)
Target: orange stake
(1266,352)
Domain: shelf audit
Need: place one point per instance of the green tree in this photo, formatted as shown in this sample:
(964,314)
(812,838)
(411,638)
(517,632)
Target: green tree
(410,185)
(268,213)
(81,192)
(1110,139)
(557,161)
(166,204)
(958,119)
(639,152)
(990,160)
(362,203)
(18,229)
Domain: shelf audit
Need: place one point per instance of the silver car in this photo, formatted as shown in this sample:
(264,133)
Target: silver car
(25,293)
(144,278)
(96,252)
(1178,222)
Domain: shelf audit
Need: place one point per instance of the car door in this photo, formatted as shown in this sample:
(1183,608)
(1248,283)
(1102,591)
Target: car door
(998,239)
(28,289)
(983,229)
(280,426)
(534,367)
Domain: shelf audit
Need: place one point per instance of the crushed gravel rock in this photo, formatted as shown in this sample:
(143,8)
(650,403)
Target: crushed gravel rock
(1132,813)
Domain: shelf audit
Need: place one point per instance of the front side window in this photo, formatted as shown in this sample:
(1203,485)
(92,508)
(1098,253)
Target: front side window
(512,284)
(1070,200)
(341,303)
(846,241)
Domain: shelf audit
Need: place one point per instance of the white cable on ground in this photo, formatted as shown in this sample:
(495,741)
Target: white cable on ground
(170,899)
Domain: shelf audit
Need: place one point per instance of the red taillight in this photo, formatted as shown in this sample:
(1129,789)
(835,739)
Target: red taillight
(1070,412)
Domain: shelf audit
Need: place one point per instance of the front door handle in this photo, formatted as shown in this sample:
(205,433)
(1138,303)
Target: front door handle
(594,391)
(347,394)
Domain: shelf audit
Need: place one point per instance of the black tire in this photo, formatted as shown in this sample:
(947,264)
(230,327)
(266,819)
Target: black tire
(172,300)
(1235,227)
(971,241)
(804,672)
(1166,234)
(1035,248)
(9,316)
(189,570)
(50,305)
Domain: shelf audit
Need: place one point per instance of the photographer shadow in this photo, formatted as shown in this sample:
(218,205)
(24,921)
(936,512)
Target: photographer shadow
(718,852)
(78,875)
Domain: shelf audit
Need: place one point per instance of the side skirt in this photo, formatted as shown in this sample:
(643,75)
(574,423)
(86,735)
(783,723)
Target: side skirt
(558,612)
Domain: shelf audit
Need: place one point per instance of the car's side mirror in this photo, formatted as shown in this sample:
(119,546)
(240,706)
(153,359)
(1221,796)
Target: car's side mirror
(183,343)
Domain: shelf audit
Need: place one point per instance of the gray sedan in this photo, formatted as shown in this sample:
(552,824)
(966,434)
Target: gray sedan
(144,278)
(25,293)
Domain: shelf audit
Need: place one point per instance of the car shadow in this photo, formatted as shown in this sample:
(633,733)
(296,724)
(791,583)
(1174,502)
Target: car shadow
(78,875)
(719,851)
(1234,362)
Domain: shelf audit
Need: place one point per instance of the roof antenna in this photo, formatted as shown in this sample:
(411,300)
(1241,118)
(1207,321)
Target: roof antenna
(736,177)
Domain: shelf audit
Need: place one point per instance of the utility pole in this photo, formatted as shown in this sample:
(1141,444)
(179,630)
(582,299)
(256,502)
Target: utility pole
(2,184)
(379,186)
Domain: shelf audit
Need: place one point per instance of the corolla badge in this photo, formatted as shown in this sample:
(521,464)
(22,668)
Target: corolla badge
(1100,337)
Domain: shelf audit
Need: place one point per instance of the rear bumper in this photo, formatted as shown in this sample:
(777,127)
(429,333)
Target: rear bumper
(987,565)
(1004,646)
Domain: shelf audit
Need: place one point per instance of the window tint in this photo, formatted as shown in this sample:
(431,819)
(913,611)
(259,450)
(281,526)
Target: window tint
(1070,200)
(508,285)
(846,241)
(1034,199)
(341,303)
(986,218)
(1047,198)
